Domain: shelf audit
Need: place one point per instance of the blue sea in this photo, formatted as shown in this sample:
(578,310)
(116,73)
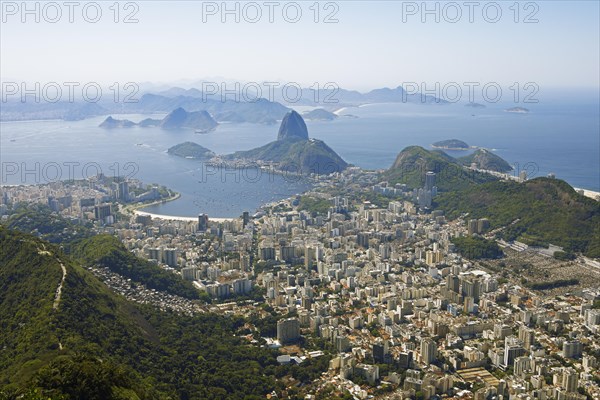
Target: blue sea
(563,139)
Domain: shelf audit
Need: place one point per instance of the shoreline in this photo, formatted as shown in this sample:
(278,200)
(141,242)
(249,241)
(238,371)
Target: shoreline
(588,193)
(132,208)
(183,219)
(136,210)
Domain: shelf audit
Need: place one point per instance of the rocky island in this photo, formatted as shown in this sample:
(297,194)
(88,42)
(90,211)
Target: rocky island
(319,114)
(475,105)
(191,150)
(451,144)
(112,123)
(517,110)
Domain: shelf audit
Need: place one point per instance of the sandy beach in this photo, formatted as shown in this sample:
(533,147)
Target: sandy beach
(186,219)
(589,193)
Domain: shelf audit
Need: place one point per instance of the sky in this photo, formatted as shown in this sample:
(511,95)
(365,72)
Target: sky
(363,45)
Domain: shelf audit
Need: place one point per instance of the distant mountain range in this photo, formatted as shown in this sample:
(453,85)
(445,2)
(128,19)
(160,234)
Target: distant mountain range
(201,121)
(17,111)
(243,109)
(329,98)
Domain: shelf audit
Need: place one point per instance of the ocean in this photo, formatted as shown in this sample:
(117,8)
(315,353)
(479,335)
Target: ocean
(563,139)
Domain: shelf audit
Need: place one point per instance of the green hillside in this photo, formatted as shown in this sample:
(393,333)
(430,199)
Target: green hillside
(40,341)
(548,210)
(40,221)
(297,155)
(414,162)
(102,250)
(485,159)
(108,251)
(97,345)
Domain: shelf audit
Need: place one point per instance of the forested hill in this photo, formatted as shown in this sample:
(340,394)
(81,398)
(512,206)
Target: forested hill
(547,210)
(94,344)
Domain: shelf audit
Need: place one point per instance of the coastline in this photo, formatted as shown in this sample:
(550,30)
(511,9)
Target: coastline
(589,193)
(136,210)
(183,219)
(135,207)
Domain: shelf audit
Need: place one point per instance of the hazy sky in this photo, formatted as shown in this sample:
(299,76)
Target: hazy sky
(373,44)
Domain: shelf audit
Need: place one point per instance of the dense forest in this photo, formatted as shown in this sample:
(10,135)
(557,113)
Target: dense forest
(475,248)
(538,212)
(96,345)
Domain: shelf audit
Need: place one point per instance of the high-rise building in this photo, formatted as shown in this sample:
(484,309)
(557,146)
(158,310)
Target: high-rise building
(287,253)
(362,239)
(428,351)
(242,286)
(471,287)
(267,253)
(453,283)
(385,251)
(189,273)
(433,257)
(483,225)
(523,176)
(170,257)
(472,226)
(572,349)
(288,330)
(513,348)
(569,380)
(123,191)
(429,180)
(310,256)
(102,211)
(202,222)
(245,218)
(522,365)
(381,352)
(527,336)
(155,253)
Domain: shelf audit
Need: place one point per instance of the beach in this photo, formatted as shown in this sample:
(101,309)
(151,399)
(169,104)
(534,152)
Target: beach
(185,219)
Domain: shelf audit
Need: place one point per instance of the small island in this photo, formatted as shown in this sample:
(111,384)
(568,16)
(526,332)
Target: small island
(451,144)
(112,123)
(475,105)
(517,110)
(191,150)
(319,114)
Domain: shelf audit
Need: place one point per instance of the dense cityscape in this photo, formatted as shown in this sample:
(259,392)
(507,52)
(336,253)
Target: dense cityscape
(299,200)
(384,292)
